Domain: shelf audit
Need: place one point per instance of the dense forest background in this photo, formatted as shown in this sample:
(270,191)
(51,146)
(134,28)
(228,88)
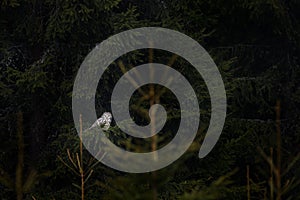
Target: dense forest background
(256,46)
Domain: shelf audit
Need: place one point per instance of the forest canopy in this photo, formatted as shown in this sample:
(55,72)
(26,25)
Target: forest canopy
(256,47)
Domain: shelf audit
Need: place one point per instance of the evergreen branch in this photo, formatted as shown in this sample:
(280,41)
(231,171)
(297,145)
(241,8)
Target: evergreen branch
(68,165)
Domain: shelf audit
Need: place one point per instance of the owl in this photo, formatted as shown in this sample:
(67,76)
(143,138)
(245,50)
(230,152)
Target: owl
(104,121)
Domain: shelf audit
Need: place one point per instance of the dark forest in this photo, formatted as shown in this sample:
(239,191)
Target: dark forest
(256,47)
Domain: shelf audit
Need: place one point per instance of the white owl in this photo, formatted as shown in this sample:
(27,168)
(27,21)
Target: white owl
(104,121)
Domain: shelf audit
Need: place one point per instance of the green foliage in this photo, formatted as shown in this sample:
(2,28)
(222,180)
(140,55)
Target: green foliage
(254,43)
